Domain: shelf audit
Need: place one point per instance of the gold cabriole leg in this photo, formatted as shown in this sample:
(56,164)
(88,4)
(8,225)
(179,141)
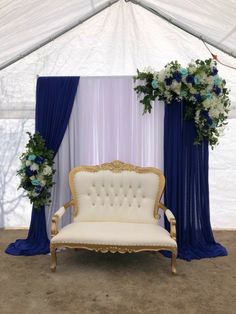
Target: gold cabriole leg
(173,262)
(53,259)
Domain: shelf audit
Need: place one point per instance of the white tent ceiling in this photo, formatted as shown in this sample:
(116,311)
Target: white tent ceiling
(118,40)
(25,23)
(212,19)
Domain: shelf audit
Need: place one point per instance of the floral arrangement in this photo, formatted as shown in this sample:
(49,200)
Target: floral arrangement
(204,92)
(37,171)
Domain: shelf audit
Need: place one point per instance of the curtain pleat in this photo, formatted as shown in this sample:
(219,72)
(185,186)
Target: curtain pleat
(187,188)
(54,102)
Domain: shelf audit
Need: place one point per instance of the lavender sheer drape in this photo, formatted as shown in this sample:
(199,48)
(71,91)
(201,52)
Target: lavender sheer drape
(106,124)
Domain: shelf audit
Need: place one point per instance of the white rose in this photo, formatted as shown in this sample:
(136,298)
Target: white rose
(47,170)
(175,86)
(192,90)
(161,76)
(155,74)
(192,69)
(197,115)
(212,113)
(43,182)
(168,71)
(209,80)
(202,76)
(209,88)
(203,92)
(34,167)
(28,163)
(207,103)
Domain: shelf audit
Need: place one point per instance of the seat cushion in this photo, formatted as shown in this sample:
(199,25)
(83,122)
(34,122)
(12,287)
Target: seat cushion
(114,233)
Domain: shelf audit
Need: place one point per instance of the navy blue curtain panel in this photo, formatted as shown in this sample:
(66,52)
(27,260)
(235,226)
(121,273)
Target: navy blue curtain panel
(54,101)
(187,189)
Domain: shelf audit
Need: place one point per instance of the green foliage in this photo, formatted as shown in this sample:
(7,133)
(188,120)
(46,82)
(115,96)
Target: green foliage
(37,171)
(198,85)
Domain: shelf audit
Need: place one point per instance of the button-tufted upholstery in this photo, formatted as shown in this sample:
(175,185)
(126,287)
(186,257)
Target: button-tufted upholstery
(117,197)
(114,209)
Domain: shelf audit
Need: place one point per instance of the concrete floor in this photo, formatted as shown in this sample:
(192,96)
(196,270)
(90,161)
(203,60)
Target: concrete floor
(89,282)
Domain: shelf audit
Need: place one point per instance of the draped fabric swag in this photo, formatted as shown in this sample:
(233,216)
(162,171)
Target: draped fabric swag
(187,188)
(54,102)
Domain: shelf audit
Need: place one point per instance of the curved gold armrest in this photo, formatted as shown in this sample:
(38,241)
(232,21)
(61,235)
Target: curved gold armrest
(171,218)
(58,214)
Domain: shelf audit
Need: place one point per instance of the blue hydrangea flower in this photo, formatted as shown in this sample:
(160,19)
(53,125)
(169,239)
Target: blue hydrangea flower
(217,90)
(217,80)
(183,71)
(35,182)
(38,189)
(28,171)
(31,157)
(39,160)
(154,84)
(205,114)
(197,80)
(168,81)
(198,97)
(214,71)
(177,76)
(190,79)
(209,95)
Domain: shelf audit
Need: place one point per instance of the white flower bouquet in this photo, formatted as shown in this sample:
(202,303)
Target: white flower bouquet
(37,171)
(198,85)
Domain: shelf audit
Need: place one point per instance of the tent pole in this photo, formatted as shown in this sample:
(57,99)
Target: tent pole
(144,4)
(57,34)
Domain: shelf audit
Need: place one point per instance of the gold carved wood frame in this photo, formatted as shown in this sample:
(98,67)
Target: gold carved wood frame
(115,166)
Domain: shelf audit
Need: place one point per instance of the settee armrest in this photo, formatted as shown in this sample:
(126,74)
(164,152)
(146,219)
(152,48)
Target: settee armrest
(57,216)
(171,218)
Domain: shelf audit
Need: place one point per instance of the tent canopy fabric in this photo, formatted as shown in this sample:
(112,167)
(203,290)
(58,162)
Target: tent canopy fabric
(122,37)
(212,19)
(25,23)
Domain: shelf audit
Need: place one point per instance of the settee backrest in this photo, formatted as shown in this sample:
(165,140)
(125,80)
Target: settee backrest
(116,192)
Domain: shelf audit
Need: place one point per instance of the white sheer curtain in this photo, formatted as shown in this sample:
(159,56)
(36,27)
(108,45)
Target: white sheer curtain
(107,124)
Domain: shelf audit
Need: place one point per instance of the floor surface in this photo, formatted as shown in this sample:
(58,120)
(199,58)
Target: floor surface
(89,282)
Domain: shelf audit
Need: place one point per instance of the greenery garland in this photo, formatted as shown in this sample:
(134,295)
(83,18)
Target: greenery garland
(199,85)
(36,172)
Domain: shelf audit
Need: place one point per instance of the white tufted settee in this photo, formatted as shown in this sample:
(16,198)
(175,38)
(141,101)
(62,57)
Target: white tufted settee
(115,209)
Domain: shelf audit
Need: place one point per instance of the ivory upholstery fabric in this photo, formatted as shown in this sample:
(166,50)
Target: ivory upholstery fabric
(61,211)
(126,196)
(114,211)
(114,233)
(169,215)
